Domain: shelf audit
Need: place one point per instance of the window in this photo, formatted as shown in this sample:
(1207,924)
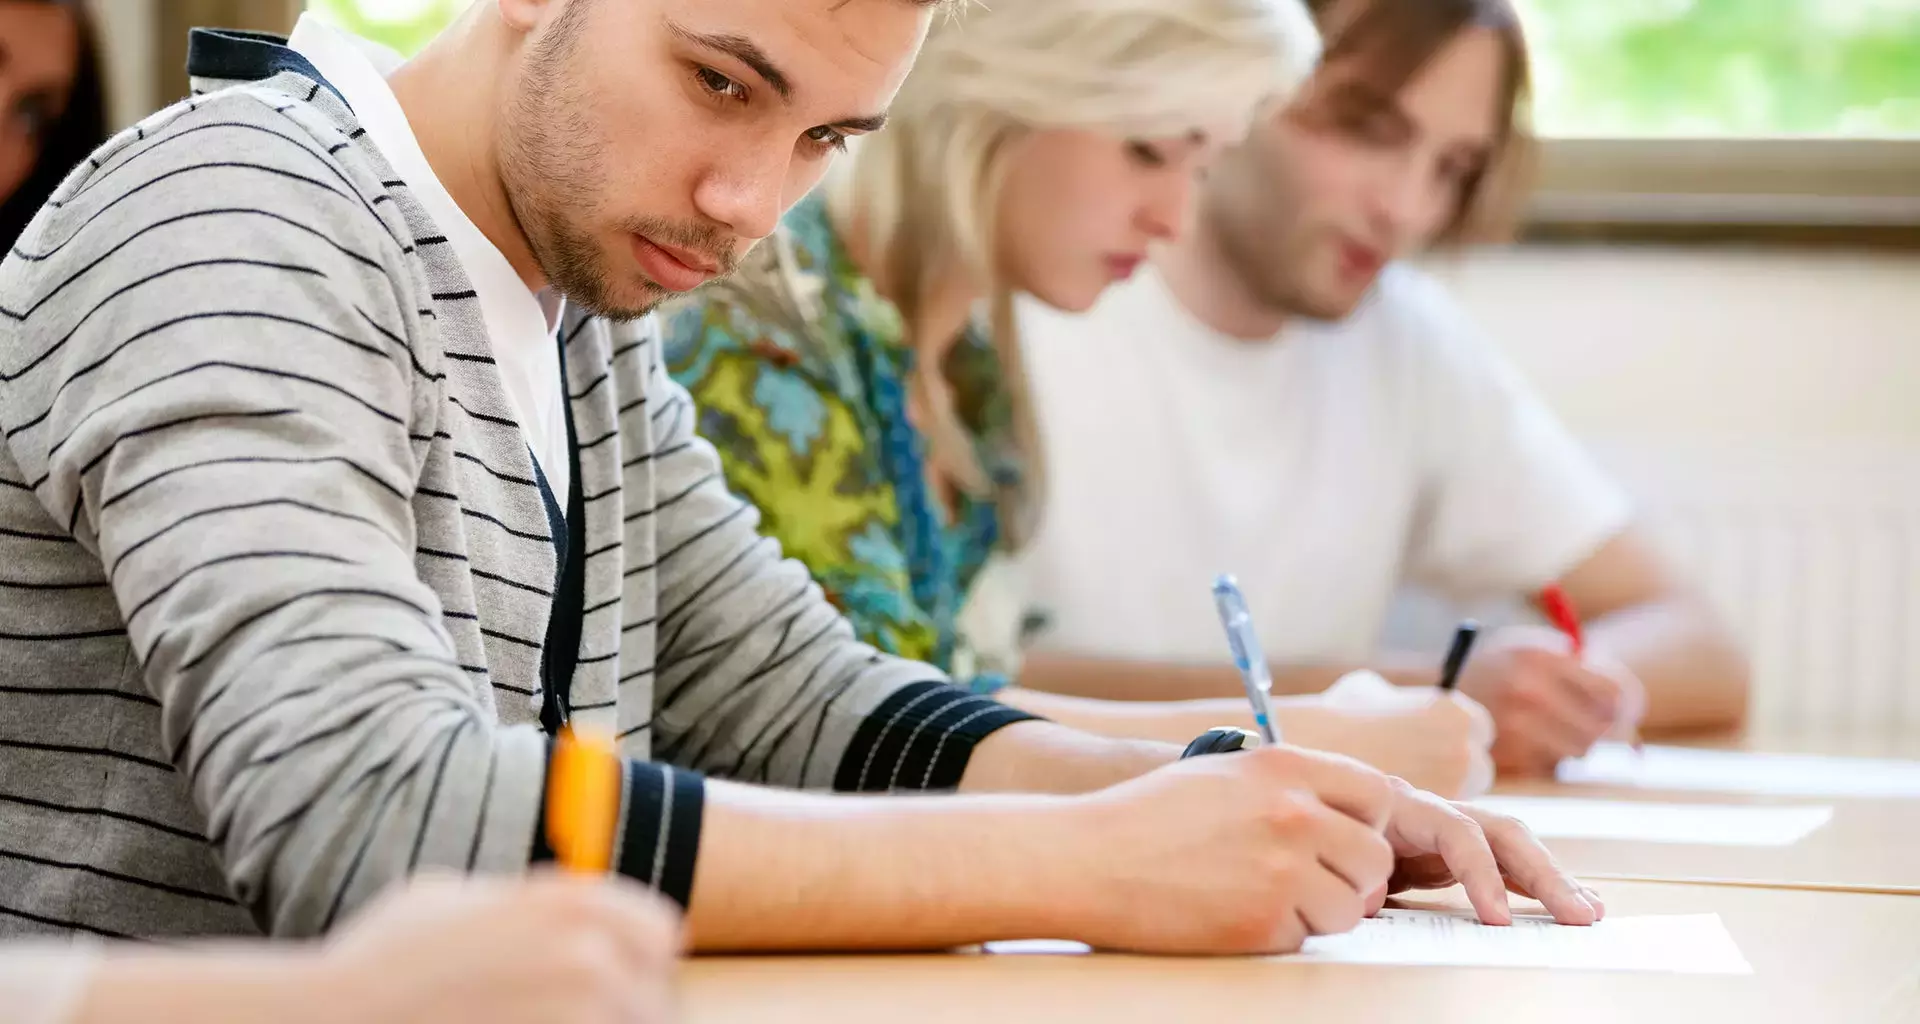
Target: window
(404,25)
(1747,68)
(1779,112)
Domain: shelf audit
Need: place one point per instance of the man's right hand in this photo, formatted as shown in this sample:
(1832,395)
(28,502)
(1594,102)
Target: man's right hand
(1237,853)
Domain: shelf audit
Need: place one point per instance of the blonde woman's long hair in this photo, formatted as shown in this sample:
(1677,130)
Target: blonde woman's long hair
(925,190)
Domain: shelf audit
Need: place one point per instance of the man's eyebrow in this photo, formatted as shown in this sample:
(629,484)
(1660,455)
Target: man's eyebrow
(1364,95)
(1363,98)
(742,49)
(870,123)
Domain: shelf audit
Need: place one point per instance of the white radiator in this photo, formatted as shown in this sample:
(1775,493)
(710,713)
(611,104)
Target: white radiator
(1813,555)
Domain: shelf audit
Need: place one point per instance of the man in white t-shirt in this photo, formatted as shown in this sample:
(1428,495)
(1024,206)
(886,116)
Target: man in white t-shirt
(1276,397)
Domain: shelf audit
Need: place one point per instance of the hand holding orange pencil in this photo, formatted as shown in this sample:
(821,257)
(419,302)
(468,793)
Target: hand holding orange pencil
(583,800)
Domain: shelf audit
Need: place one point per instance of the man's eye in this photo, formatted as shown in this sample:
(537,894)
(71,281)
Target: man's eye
(720,85)
(827,137)
(1144,154)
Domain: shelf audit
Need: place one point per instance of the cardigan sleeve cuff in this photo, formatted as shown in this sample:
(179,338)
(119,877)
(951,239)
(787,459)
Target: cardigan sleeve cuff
(920,738)
(658,839)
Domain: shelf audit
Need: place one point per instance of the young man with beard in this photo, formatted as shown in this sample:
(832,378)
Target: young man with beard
(340,463)
(1304,411)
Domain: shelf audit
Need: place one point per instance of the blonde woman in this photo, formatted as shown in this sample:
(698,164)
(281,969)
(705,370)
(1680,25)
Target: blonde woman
(861,375)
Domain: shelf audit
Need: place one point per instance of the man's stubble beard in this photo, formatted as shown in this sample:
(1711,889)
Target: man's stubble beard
(546,171)
(1267,257)
(549,163)
(544,176)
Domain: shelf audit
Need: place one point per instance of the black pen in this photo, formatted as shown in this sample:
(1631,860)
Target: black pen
(1457,655)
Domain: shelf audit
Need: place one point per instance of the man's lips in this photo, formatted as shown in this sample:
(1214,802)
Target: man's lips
(674,268)
(1358,261)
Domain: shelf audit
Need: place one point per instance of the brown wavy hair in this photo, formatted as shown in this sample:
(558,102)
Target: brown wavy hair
(1394,40)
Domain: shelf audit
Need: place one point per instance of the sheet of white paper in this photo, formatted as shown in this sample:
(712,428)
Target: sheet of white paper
(1034,947)
(1670,943)
(1554,817)
(1724,771)
(1673,944)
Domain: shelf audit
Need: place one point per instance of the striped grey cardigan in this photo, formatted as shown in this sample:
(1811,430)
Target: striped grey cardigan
(276,566)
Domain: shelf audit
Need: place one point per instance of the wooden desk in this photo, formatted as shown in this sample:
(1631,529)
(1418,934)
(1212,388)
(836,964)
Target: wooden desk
(1869,844)
(1817,956)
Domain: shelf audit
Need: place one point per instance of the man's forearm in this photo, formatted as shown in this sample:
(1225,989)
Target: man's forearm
(785,870)
(1695,674)
(1049,757)
(1115,679)
(1301,718)
(780,869)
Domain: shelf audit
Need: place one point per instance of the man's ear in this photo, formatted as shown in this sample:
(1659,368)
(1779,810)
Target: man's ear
(523,16)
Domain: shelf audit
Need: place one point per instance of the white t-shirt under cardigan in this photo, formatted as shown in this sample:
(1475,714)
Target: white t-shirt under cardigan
(521,325)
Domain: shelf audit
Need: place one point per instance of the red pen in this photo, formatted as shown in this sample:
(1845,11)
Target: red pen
(1559,609)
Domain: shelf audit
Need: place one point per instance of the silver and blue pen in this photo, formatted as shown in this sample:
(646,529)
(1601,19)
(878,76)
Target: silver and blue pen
(1247,655)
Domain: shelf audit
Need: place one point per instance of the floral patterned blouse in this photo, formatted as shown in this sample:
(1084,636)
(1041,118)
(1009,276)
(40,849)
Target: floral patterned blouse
(799,371)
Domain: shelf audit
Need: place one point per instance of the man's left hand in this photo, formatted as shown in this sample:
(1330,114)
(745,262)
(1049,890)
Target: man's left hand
(1438,844)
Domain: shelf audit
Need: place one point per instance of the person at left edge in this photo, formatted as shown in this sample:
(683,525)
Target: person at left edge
(311,521)
(53,103)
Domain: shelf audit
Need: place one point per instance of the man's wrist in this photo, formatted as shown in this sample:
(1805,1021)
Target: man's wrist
(1042,757)
(1130,759)
(1064,882)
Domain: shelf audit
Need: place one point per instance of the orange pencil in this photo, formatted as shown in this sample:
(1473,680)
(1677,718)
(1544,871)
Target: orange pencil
(583,798)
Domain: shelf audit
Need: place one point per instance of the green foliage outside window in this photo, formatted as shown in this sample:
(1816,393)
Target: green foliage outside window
(1726,67)
(404,25)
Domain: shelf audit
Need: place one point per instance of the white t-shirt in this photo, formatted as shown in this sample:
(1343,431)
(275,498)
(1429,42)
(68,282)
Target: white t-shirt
(1325,469)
